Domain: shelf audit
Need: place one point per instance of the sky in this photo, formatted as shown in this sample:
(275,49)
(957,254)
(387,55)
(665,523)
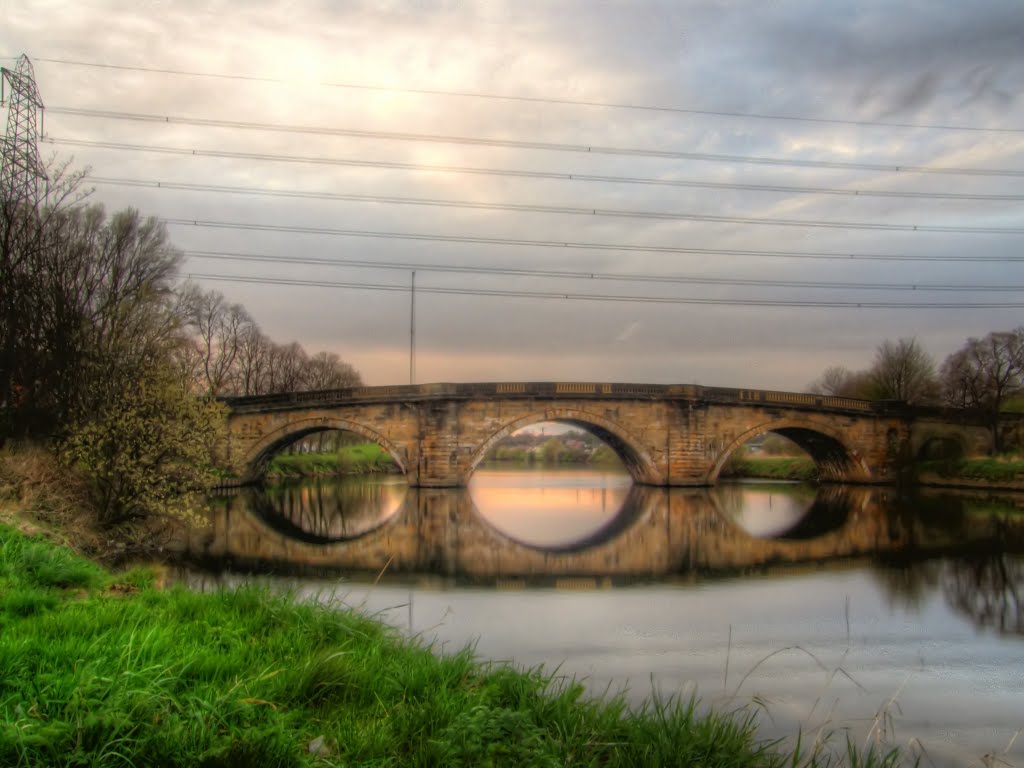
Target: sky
(276,118)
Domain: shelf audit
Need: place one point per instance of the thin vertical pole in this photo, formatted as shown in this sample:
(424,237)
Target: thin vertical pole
(412,332)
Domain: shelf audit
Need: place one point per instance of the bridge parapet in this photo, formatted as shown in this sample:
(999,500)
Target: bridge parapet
(799,399)
(574,390)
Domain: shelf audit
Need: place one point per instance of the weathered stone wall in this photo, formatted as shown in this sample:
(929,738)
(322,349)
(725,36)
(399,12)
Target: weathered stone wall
(681,437)
(971,439)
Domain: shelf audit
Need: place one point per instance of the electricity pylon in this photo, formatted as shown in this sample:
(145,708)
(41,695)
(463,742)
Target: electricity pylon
(21,169)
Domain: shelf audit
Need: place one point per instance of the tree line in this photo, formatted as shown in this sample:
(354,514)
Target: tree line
(984,375)
(230,355)
(90,300)
(112,364)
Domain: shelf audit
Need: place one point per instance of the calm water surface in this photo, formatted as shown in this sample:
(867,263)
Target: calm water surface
(819,607)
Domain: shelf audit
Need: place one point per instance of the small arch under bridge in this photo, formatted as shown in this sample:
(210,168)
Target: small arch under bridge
(668,435)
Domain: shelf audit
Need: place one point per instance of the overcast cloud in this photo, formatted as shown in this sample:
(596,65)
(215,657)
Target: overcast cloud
(925,63)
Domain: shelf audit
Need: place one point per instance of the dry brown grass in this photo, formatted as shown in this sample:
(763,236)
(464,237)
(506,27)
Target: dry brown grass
(41,495)
(35,481)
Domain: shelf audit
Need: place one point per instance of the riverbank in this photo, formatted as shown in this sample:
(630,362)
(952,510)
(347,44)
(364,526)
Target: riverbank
(798,468)
(97,666)
(983,474)
(987,473)
(351,460)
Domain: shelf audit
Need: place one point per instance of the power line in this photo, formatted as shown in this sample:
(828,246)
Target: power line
(547,175)
(560,209)
(547,99)
(612,277)
(184,186)
(610,297)
(701,217)
(624,247)
(528,145)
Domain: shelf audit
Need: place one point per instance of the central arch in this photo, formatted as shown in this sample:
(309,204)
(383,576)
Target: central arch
(262,451)
(642,468)
(825,445)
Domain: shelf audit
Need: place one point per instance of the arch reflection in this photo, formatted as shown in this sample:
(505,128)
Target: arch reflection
(786,511)
(655,533)
(554,509)
(327,511)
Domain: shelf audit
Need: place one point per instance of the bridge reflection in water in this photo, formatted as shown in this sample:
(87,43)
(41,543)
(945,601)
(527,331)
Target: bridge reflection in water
(657,533)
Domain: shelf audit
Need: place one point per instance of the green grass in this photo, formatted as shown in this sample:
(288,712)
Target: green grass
(97,671)
(773,467)
(993,469)
(367,458)
(602,456)
(993,507)
(34,563)
(1014,405)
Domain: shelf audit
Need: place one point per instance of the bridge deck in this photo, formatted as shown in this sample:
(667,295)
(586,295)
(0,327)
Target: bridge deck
(557,390)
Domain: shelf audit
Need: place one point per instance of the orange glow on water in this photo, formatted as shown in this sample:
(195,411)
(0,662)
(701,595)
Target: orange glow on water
(549,508)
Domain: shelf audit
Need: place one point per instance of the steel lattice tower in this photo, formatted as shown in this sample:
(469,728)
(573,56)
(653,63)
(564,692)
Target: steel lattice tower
(21,169)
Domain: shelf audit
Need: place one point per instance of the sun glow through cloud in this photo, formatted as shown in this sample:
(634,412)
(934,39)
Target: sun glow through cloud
(682,80)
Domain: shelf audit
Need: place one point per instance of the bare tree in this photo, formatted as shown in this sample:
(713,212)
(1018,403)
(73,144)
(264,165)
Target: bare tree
(133,307)
(219,328)
(252,370)
(286,364)
(229,353)
(984,374)
(902,370)
(325,370)
(85,302)
(840,381)
(39,302)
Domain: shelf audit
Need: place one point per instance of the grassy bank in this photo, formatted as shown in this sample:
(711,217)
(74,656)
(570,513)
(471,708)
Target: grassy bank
(1004,471)
(365,459)
(771,467)
(601,456)
(99,669)
(991,469)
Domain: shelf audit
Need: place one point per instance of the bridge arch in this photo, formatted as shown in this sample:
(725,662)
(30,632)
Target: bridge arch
(827,446)
(260,453)
(939,444)
(628,448)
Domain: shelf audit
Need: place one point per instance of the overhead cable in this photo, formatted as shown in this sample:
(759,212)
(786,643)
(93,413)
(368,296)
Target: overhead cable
(603,276)
(527,145)
(608,297)
(546,99)
(545,175)
(581,245)
(701,217)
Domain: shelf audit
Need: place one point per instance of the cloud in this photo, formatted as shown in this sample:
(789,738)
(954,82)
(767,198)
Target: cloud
(628,332)
(940,61)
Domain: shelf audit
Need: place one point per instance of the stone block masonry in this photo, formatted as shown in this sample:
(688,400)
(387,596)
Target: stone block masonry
(666,435)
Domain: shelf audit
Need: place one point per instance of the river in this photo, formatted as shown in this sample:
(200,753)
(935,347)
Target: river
(836,610)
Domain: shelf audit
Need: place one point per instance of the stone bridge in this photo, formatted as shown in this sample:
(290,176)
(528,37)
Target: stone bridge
(666,435)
